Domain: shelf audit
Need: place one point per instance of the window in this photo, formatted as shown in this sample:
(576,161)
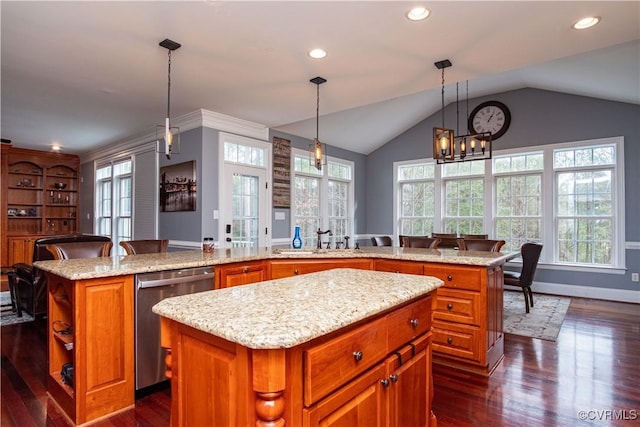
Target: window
(417,199)
(569,197)
(585,221)
(322,199)
(463,197)
(518,185)
(114,202)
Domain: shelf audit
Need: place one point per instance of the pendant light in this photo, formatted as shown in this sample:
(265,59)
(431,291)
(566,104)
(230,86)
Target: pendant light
(167,136)
(317,150)
(447,148)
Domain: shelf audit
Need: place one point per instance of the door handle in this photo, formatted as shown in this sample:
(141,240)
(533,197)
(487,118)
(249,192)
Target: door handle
(228,239)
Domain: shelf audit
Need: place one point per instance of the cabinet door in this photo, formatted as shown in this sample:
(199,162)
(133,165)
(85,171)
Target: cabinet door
(410,384)
(241,274)
(361,403)
(20,250)
(395,266)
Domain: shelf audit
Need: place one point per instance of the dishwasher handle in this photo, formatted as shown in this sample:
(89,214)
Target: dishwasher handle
(142,284)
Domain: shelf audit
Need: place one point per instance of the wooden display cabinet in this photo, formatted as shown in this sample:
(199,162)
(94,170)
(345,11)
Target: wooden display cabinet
(39,198)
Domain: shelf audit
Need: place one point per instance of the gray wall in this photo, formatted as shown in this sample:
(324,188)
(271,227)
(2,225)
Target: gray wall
(538,118)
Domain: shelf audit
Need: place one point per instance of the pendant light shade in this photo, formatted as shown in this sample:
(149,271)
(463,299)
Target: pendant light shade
(317,150)
(167,136)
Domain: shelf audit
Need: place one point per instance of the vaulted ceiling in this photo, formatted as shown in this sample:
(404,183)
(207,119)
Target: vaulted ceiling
(89,74)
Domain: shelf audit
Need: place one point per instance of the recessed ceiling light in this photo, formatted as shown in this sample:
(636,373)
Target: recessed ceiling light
(56,147)
(317,53)
(418,13)
(587,22)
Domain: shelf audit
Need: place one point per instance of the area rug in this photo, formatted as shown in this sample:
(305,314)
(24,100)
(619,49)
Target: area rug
(544,319)
(8,316)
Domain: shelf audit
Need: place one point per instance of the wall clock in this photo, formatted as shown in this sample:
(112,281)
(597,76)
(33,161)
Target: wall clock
(490,116)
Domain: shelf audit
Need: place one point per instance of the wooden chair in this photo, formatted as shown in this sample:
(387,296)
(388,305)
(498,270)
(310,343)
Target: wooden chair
(474,236)
(136,247)
(71,250)
(381,241)
(530,253)
(447,240)
(423,242)
(485,245)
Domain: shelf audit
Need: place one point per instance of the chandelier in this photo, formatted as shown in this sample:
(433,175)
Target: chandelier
(167,136)
(448,148)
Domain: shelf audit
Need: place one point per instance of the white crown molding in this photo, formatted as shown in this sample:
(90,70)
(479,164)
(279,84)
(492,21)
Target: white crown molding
(222,122)
(193,120)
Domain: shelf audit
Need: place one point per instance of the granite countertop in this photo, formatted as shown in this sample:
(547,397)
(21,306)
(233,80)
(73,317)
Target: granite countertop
(284,313)
(91,268)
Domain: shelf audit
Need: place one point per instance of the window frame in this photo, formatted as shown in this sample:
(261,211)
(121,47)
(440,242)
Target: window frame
(324,179)
(115,233)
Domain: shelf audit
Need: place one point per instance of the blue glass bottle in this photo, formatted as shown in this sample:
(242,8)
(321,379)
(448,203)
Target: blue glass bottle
(297,241)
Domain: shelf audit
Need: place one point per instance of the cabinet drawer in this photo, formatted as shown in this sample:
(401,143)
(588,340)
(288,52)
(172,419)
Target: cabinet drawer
(330,364)
(280,269)
(395,266)
(458,340)
(408,322)
(455,276)
(457,305)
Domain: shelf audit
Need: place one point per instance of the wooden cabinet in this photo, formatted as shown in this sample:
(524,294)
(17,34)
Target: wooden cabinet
(20,249)
(39,197)
(96,341)
(292,267)
(357,376)
(467,317)
(398,266)
(242,273)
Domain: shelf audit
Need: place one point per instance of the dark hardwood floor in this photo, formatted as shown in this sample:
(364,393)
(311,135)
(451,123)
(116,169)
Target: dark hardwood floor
(594,367)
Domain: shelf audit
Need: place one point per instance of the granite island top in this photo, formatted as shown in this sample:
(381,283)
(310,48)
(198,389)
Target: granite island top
(287,312)
(91,268)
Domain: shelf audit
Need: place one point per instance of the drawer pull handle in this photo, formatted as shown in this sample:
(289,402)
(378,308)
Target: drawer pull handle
(393,378)
(449,306)
(358,355)
(245,270)
(384,382)
(397,271)
(449,340)
(449,277)
(414,323)
(295,271)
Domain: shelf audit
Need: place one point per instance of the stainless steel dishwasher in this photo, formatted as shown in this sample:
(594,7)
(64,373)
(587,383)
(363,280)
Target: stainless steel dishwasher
(152,288)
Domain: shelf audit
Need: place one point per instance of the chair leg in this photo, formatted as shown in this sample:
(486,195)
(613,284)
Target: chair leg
(15,296)
(530,295)
(526,300)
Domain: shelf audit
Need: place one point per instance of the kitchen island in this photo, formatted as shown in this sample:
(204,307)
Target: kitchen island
(95,296)
(327,348)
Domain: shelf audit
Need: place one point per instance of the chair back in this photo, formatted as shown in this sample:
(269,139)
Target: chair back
(530,256)
(474,236)
(447,240)
(423,242)
(381,241)
(486,245)
(136,247)
(71,250)
(40,252)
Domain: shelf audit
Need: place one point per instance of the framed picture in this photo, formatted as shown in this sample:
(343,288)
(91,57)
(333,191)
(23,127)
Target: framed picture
(178,188)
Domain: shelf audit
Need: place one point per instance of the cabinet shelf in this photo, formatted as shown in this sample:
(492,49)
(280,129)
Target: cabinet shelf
(65,339)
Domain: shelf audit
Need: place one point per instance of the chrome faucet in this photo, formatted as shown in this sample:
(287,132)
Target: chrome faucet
(320,233)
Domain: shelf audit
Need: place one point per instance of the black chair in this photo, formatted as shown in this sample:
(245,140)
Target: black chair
(530,253)
(135,247)
(381,241)
(30,283)
(486,245)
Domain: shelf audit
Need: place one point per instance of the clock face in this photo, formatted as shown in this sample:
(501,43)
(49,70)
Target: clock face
(490,116)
